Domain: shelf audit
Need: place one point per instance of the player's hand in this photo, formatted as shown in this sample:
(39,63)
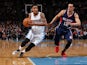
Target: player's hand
(49,25)
(46,24)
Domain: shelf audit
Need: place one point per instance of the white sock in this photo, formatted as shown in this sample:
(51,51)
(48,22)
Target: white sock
(20,48)
(23,51)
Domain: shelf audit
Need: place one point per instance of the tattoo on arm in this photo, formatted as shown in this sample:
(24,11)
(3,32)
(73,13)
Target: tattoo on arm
(43,18)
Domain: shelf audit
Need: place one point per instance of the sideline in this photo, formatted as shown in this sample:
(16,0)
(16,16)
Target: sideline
(31,61)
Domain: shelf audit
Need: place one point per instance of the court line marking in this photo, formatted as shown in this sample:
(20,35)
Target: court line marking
(31,61)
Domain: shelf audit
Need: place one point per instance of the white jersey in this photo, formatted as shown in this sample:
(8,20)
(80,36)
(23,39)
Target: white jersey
(37,19)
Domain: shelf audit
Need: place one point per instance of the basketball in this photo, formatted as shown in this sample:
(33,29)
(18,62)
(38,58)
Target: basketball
(26,22)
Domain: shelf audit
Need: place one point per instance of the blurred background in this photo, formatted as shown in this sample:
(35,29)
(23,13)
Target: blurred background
(12,13)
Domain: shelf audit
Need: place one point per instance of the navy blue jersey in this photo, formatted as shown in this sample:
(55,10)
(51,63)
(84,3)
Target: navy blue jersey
(63,28)
(65,18)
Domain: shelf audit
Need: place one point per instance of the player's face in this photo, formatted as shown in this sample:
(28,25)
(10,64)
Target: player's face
(70,7)
(35,9)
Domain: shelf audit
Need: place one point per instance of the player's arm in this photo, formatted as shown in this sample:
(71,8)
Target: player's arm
(57,16)
(78,22)
(43,19)
(44,22)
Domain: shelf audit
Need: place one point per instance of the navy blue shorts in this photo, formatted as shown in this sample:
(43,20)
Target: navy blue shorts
(67,33)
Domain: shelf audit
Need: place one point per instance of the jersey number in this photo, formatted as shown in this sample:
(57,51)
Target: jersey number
(65,24)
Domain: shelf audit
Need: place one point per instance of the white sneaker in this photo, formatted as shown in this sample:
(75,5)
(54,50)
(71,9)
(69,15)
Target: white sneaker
(15,52)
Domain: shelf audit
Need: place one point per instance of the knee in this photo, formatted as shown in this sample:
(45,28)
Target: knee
(70,40)
(24,42)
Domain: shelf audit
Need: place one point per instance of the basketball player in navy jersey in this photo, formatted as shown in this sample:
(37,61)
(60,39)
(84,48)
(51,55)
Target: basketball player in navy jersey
(68,18)
(36,33)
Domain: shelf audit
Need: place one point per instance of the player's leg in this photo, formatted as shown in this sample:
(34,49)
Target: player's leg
(35,41)
(27,39)
(68,37)
(57,39)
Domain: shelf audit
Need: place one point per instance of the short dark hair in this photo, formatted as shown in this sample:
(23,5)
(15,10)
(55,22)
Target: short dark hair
(34,5)
(72,3)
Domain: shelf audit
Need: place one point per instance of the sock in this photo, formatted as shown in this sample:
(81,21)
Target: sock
(20,48)
(23,51)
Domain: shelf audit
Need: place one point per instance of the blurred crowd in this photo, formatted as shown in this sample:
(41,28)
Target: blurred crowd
(10,30)
(15,9)
(79,33)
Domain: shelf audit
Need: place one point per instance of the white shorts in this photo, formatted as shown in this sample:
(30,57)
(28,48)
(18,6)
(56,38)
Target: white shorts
(35,38)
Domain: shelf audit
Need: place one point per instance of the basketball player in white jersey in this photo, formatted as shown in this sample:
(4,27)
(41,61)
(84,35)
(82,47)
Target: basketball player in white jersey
(36,33)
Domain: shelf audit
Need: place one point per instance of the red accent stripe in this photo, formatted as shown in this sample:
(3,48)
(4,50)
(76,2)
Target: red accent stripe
(61,19)
(73,22)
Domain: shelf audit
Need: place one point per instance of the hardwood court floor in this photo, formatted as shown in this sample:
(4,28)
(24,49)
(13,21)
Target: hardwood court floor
(79,48)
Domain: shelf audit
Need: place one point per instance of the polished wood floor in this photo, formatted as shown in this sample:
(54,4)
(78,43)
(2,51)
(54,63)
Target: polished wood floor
(79,48)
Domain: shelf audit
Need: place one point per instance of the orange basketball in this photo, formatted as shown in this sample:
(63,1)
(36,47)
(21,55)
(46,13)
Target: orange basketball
(26,22)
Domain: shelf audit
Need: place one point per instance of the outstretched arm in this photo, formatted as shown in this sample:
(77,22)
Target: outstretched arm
(57,16)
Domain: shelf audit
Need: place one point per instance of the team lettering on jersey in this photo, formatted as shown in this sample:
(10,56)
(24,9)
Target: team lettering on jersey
(67,20)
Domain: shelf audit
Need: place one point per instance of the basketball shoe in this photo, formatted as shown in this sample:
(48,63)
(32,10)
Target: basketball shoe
(56,49)
(15,52)
(63,54)
(21,54)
